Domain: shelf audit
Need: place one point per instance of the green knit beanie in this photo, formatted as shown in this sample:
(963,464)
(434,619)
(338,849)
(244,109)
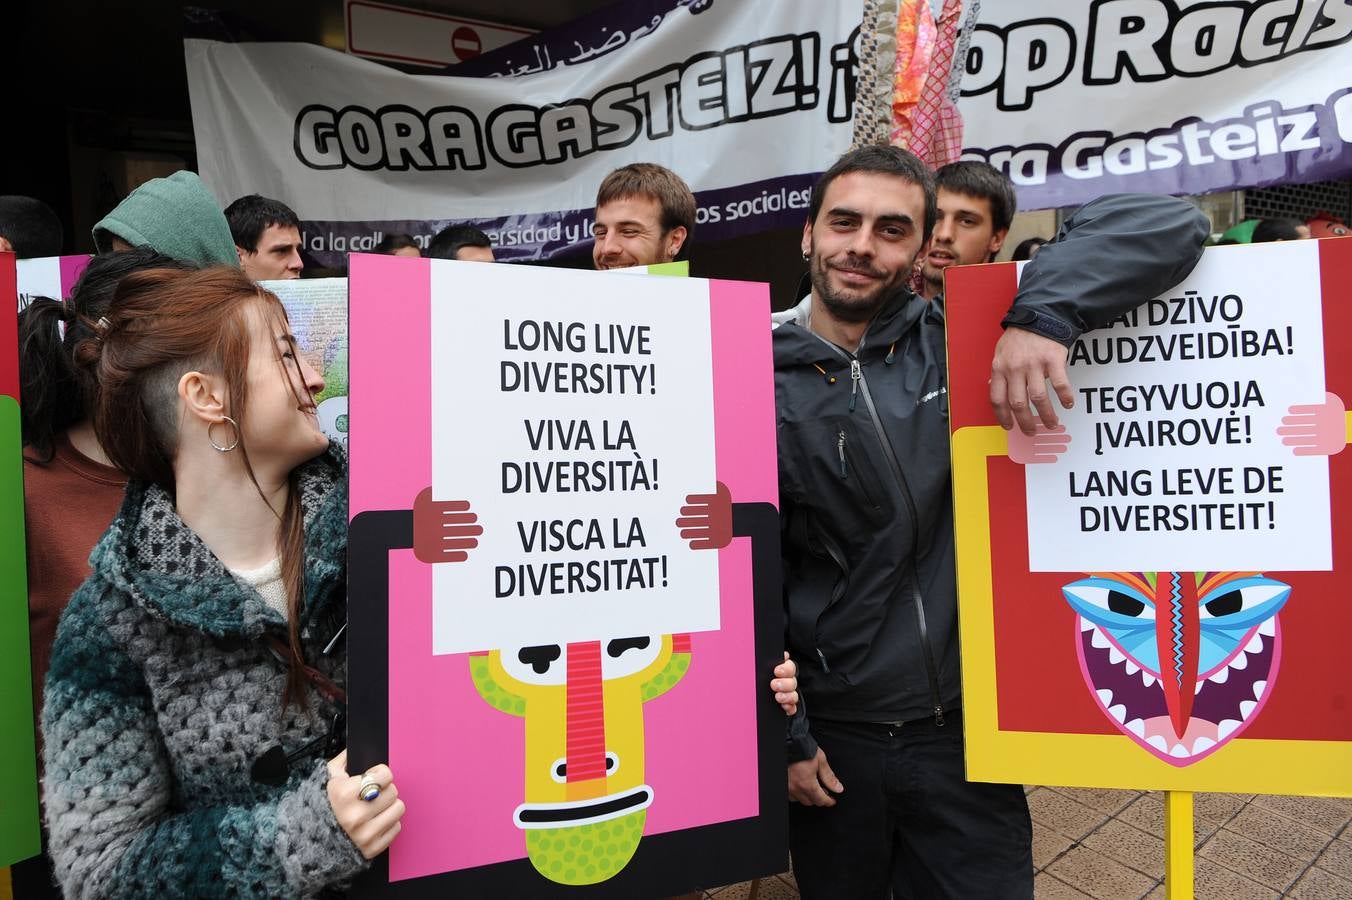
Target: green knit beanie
(176,216)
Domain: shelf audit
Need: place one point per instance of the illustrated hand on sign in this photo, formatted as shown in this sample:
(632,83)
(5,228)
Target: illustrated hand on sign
(1044,446)
(1316,429)
(444,531)
(706,520)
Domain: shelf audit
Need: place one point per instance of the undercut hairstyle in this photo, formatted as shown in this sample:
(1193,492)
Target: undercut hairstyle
(450,239)
(30,226)
(392,242)
(251,215)
(880,159)
(163,323)
(1270,230)
(56,393)
(651,180)
(978,179)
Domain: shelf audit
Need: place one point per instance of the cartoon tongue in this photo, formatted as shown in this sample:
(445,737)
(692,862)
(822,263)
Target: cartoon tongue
(1176,633)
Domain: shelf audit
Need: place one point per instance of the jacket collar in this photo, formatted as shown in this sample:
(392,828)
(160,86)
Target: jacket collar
(795,345)
(151,554)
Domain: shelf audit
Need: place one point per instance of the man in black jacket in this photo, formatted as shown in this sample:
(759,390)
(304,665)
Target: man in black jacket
(882,803)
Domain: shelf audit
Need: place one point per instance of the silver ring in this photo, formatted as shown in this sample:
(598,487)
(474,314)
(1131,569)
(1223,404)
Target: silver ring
(369,788)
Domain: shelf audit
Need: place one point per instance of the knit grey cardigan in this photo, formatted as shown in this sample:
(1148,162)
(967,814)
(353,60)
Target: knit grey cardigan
(162,694)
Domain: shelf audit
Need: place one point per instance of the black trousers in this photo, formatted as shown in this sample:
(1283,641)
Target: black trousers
(908,823)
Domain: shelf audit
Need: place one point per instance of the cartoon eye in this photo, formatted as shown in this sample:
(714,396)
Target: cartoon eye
(1110,603)
(625,656)
(1242,603)
(542,664)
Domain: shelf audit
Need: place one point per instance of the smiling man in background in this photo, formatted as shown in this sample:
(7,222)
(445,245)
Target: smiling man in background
(644,216)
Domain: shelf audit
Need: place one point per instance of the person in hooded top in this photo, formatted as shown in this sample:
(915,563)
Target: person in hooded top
(178,216)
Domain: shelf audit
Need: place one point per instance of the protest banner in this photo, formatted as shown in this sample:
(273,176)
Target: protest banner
(747,103)
(317,310)
(575,697)
(19,836)
(49,276)
(1074,100)
(1159,606)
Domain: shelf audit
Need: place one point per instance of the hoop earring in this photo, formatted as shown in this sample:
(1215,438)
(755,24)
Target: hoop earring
(806,256)
(234,444)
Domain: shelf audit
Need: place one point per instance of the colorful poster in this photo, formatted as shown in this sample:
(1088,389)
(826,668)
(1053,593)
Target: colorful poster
(747,102)
(1077,99)
(317,310)
(1156,602)
(49,276)
(564,578)
(19,837)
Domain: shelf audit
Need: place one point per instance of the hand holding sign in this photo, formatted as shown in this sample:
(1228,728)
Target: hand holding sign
(1316,429)
(1024,361)
(706,520)
(443,530)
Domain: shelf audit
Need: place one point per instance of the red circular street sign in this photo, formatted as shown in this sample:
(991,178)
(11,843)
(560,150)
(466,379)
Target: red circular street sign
(465,42)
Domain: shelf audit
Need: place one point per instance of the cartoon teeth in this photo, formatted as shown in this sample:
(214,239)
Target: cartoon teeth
(1268,627)
(1240,661)
(1227,728)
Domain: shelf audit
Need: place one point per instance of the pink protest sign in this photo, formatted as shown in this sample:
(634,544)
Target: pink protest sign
(573,698)
(49,276)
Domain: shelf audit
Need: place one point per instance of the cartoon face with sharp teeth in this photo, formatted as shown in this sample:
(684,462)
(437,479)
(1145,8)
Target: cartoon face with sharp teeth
(1181,662)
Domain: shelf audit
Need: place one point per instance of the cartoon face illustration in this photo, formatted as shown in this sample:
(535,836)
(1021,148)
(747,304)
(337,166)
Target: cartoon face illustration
(1181,662)
(585,797)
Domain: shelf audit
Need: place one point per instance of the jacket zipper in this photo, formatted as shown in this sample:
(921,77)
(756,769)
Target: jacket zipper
(857,379)
(840,449)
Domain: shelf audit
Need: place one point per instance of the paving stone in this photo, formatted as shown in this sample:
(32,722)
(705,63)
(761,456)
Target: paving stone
(1159,893)
(787,878)
(1103,799)
(1325,813)
(1147,813)
(1215,882)
(1218,808)
(1278,832)
(1047,845)
(1337,858)
(774,889)
(1062,814)
(1045,887)
(1267,866)
(1317,884)
(1098,876)
(1130,846)
(733,892)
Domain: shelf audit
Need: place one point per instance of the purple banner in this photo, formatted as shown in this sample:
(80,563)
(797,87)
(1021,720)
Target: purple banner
(720,214)
(1267,145)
